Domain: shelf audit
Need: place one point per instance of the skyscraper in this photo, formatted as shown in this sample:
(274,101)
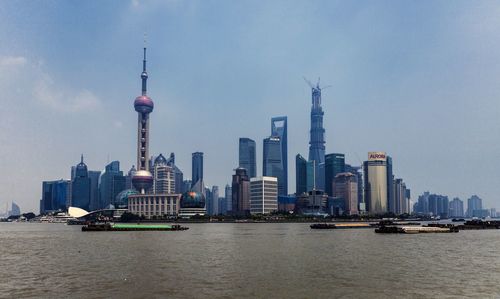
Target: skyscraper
(80,187)
(345,186)
(334,164)
(456,208)
(215,201)
(279,128)
(356,170)
(163,174)
(317,137)
(14,210)
(197,172)
(400,201)
(375,172)
(474,206)
(112,183)
(240,193)
(143,104)
(94,176)
(247,158)
(272,165)
(178,175)
(263,195)
(228,197)
(300,175)
(55,196)
(392,206)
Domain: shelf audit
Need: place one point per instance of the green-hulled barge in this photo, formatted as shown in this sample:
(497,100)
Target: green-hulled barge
(131,227)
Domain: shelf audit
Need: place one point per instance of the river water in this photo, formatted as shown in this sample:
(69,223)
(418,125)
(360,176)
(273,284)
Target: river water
(243,260)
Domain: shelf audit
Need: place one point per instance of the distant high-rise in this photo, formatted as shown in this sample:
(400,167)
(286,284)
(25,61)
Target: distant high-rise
(94,176)
(334,164)
(80,187)
(317,137)
(375,174)
(474,205)
(197,172)
(356,170)
(56,196)
(143,104)
(164,177)
(272,165)
(300,175)
(247,156)
(456,208)
(215,209)
(112,183)
(279,128)
(14,210)
(178,175)
(345,186)
(263,195)
(240,193)
(400,200)
(228,197)
(392,205)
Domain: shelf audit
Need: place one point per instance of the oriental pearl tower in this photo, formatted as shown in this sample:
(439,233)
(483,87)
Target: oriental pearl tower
(142,178)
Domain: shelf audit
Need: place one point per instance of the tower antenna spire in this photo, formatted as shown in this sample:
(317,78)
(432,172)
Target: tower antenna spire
(144,74)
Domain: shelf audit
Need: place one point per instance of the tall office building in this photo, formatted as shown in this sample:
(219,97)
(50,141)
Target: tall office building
(263,195)
(375,178)
(178,175)
(334,164)
(215,208)
(317,137)
(456,208)
(300,175)
(143,104)
(400,201)
(279,128)
(112,183)
(80,187)
(247,156)
(164,177)
(356,170)
(228,196)
(94,176)
(272,165)
(474,206)
(55,196)
(240,193)
(391,200)
(345,186)
(197,172)
(438,205)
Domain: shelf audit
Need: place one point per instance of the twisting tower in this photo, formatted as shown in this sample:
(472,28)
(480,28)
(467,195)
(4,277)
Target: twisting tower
(142,179)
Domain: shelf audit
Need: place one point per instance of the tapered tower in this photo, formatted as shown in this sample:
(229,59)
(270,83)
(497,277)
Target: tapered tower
(317,133)
(142,178)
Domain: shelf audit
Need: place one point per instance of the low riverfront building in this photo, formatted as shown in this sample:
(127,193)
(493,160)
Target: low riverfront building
(154,205)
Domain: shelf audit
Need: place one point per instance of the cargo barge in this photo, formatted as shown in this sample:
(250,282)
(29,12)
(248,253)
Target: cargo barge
(131,227)
(415,229)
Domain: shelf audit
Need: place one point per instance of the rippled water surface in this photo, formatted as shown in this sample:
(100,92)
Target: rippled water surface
(245,261)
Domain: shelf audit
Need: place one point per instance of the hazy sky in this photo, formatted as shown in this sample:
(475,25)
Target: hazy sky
(417,79)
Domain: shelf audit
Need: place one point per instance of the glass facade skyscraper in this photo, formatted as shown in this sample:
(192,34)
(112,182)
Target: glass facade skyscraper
(300,175)
(375,172)
(334,164)
(112,183)
(317,141)
(197,172)
(80,187)
(55,196)
(279,128)
(272,165)
(247,156)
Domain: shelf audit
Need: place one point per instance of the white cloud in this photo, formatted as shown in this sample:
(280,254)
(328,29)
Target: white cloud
(12,61)
(49,95)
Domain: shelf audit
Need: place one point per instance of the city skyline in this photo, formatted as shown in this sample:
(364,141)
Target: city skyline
(64,112)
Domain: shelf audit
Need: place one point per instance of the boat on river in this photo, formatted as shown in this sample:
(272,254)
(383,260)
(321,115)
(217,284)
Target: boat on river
(99,227)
